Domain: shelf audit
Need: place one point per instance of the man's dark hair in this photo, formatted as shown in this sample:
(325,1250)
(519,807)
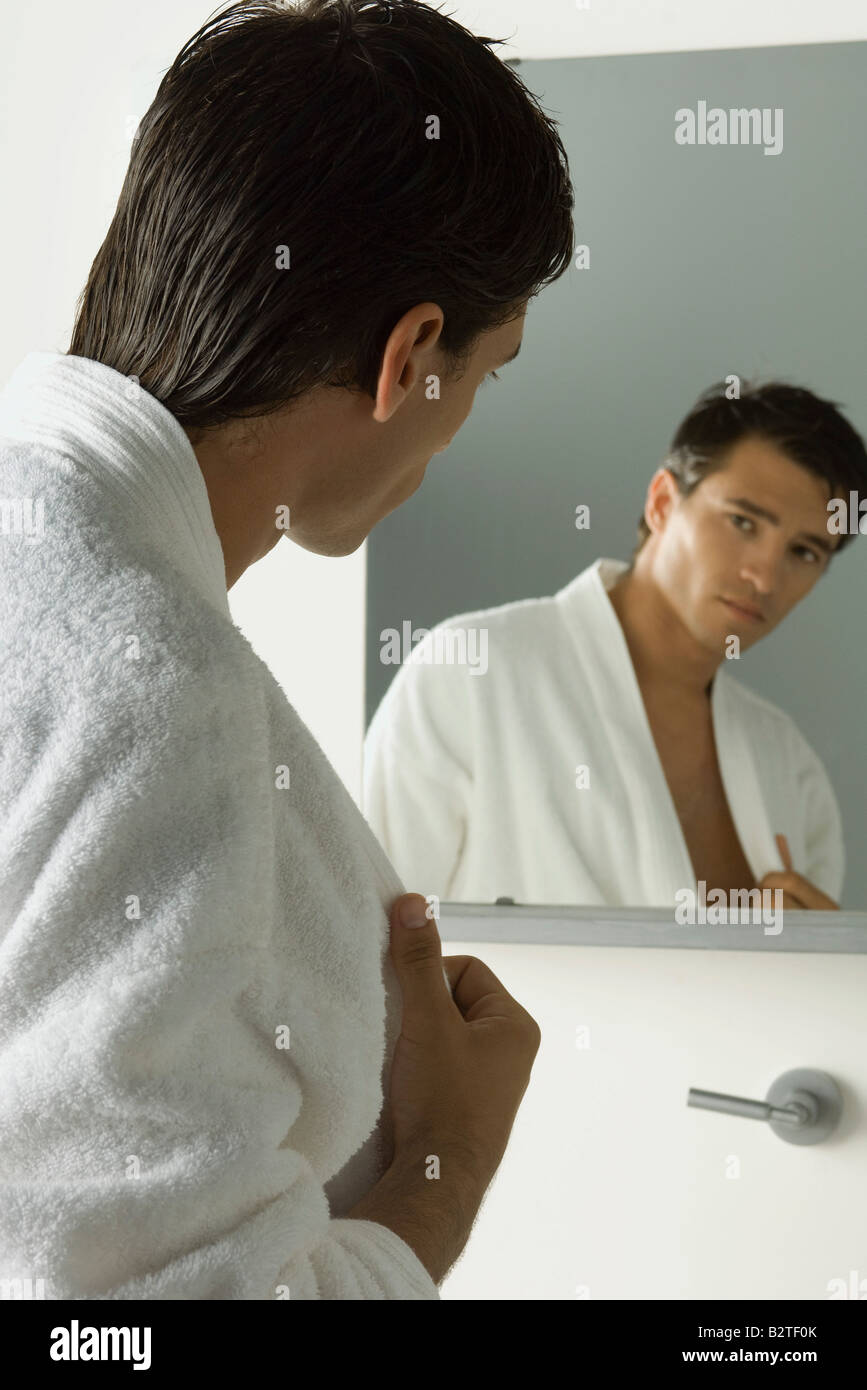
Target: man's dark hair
(306,127)
(809,430)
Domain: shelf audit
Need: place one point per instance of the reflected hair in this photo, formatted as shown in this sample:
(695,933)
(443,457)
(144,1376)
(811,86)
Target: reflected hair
(808,429)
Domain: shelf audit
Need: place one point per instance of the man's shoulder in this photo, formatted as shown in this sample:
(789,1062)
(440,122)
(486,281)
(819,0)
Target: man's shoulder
(92,609)
(524,614)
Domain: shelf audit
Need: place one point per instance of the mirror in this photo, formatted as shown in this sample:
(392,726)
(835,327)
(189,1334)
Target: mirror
(553,717)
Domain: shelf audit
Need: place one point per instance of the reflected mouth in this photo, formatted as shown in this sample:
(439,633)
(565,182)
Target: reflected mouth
(744,610)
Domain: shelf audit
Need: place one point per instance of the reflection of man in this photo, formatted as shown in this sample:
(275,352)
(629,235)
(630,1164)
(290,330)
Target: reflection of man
(605,757)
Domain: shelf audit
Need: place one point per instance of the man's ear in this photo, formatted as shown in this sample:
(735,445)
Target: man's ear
(662,492)
(410,343)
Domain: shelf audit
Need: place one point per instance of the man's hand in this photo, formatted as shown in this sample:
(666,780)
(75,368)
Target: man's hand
(798,892)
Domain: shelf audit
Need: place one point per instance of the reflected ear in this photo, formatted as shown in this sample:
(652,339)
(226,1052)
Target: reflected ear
(661,495)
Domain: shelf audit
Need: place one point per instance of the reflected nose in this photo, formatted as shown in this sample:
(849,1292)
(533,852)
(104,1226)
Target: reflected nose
(762,572)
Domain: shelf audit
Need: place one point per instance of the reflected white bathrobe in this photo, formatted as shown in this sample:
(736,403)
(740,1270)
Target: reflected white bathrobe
(471,781)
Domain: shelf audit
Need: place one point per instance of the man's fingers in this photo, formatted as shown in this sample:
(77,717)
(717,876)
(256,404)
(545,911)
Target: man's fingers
(798,891)
(783,878)
(785,852)
(477,991)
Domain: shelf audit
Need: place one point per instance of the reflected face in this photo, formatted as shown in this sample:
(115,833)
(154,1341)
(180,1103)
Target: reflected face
(747,544)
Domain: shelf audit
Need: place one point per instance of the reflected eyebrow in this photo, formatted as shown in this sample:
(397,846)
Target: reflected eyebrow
(747,506)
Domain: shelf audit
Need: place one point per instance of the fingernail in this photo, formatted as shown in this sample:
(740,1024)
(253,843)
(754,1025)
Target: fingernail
(412,914)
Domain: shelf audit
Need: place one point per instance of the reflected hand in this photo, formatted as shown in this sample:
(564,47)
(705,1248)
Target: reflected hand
(798,892)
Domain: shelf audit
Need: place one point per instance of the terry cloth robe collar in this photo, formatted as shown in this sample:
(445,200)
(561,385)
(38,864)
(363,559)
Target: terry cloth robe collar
(108,424)
(103,421)
(607,663)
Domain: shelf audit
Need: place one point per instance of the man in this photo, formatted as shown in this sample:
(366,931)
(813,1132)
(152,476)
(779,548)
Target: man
(605,756)
(305,282)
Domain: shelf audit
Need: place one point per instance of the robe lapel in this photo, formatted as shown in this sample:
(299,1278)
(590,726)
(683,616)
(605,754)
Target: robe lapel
(740,780)
(663,864)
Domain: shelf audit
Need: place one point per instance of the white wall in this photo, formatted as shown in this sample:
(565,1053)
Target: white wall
(305,615)
(576,28)
(613,1188)
(76,79)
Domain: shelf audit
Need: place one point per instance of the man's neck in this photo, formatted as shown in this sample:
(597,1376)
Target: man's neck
(667,659)
(241,510)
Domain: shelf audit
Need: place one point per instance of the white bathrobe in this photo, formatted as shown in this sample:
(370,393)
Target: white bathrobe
(197,1007)
(473,780)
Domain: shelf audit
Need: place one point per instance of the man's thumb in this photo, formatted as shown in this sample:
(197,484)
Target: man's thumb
(413,910)
(416,952)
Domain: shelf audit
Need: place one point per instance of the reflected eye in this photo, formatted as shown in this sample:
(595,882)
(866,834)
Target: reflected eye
(807,553)
(737,517)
